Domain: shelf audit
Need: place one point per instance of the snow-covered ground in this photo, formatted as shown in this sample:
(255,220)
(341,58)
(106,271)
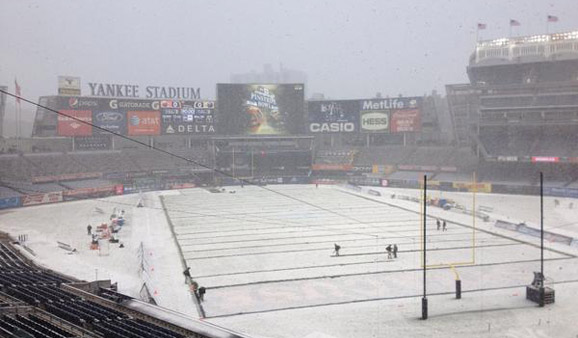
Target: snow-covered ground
(266,259)
(66,222)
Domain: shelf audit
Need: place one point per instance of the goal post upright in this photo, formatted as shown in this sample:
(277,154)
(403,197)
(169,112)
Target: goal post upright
(474,190)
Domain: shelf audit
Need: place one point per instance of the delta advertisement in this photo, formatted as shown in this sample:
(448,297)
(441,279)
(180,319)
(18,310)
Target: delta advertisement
(261,109)
(134,117)
(333,116)
(389,115)
(188,117)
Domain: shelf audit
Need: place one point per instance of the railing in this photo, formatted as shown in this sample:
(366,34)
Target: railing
(544,46)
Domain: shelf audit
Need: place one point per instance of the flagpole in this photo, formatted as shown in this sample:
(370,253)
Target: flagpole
(477,33)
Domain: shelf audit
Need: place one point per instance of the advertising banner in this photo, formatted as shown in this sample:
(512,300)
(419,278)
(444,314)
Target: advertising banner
(551,159)
(374,121)
(296,180)
(181,185)
(449,169)
(405,121)
(261,109)
(68,126)
(127,116)
(395,115)
(68,85)
(90,191)
(100,142)
(142,123)
(333,116)
(562,192)
(382,169)
(51,197)
(333,167)
(468,186)
(114,121)
(188,117)
(10,202)
(65,177)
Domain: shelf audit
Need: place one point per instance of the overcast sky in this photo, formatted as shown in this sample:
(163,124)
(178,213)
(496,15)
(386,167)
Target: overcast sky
(348,48)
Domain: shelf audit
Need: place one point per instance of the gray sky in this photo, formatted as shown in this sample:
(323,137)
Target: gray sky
(349,49)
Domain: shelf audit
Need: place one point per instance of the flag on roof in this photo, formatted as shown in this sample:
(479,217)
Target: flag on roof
(17,90)
(514,22)
(552,18)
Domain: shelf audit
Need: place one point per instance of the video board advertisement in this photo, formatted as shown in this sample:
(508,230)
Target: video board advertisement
(374,121)
(405,120)
(176,117)
(395,115)
(261,109)
(69,123)
(144,123)
(188,117)
(333,116)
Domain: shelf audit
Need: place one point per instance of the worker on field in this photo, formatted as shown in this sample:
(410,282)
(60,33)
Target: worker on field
(388,250)
(202,292)
(337,248)
(187,273)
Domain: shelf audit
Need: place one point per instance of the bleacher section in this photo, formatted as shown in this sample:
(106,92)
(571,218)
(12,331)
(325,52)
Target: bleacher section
(24,167)
(30,188)
(51,310)
(413,155)
(410,175)
(6,192)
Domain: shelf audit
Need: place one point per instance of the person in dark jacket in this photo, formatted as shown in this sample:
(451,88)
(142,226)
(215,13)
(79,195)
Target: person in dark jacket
(438,223)
(89,229)
(388,249)
(444,226)
(187,273)
(202,292)
(337,248)
(395,251)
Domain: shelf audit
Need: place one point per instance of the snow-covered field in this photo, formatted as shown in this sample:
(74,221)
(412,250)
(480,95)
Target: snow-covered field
(266,259)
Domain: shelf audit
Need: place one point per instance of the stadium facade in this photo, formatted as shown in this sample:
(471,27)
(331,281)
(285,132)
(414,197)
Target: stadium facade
(514,118)
(517,116)
(520,109)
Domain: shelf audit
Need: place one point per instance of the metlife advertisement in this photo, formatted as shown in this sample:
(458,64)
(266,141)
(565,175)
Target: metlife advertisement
(395,115)
(388,115)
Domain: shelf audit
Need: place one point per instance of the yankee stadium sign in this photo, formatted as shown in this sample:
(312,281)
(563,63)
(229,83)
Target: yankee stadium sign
(150,92)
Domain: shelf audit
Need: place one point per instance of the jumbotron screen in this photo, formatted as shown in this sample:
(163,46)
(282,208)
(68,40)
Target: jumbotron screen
(261,109)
